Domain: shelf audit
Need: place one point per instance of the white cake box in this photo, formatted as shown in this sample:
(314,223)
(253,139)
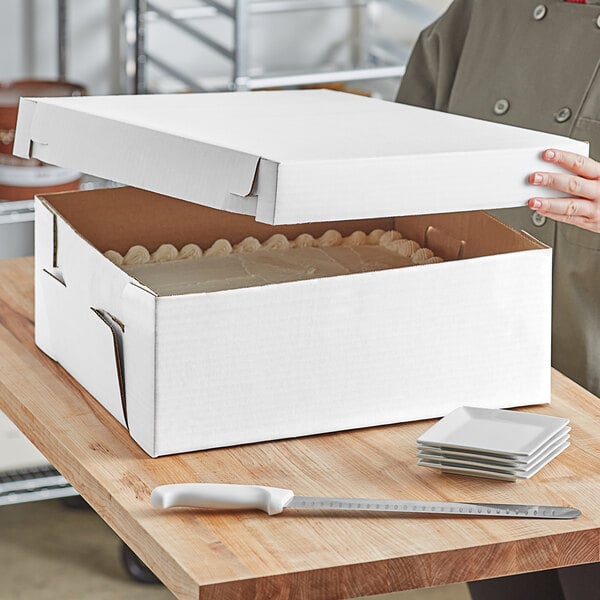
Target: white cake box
(205,370)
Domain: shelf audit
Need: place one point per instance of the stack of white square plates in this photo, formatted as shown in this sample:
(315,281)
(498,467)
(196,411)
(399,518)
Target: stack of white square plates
(499,444)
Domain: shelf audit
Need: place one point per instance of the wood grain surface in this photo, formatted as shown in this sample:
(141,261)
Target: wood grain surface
(297,555)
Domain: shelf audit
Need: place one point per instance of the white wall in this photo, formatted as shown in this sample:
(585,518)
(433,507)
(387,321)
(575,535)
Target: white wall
(299,40)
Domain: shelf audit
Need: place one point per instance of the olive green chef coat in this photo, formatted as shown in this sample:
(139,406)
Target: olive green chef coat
(533,64)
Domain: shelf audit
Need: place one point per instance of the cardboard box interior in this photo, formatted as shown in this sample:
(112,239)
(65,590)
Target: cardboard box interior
(118,218)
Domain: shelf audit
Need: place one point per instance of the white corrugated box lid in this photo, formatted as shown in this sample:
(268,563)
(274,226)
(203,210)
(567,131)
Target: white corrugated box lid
(290,156)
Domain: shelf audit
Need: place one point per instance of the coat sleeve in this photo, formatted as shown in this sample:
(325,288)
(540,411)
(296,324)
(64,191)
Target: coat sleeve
(432,66)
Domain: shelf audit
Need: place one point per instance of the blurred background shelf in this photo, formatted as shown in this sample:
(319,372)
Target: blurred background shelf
(229,41)
(29,485)
(124,46)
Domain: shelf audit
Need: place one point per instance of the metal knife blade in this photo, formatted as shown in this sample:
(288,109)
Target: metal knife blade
(442,508)
(275,500)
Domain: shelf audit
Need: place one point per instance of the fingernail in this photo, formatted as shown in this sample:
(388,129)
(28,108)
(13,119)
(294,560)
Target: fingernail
(535,203)
(537,178)
(550,154)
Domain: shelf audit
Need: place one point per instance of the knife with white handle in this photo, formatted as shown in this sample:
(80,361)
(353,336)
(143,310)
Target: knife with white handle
(274,500)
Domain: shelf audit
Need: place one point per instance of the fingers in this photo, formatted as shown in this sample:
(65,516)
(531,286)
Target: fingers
(577,163)
(570,184)
(565,207)
(575,211)
(581,207)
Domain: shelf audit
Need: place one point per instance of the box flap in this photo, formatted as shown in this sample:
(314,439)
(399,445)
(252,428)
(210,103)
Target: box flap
(291,156)
(122,151)
(22,145)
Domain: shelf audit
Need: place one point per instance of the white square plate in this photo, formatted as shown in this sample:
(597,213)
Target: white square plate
(497,466)
(509,459)
(493,431)
(493,473)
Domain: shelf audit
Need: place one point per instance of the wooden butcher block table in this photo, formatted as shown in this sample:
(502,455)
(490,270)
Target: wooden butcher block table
(297,554)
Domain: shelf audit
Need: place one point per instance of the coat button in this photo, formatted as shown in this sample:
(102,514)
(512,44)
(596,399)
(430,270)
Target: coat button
(501,107)
(562,114)
(539,12)
(538,220)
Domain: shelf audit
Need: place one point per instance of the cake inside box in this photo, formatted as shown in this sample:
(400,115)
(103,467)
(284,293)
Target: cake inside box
(226,266)
(165,243)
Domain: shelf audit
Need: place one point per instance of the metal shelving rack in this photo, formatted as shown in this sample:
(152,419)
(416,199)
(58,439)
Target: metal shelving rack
(34,484)
(384,64)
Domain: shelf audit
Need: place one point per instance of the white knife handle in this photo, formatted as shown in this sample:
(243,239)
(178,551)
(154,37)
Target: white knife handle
(221,495)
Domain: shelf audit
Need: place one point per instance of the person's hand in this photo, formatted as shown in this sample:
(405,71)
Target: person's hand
(581,203)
